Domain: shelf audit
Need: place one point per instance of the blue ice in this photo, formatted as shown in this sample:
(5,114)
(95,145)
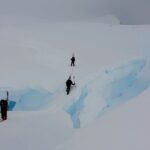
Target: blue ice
(29,99)
(114,86)
(77,106)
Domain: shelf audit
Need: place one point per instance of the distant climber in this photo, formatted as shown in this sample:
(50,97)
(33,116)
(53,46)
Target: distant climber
(68,85)
(73,60)
(4,107)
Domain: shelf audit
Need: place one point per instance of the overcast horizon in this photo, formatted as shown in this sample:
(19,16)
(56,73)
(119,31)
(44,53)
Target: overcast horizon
(127,11)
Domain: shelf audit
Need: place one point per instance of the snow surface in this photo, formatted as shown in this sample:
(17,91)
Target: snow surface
(107,109)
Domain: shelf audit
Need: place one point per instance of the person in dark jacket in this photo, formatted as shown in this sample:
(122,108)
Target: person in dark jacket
(4,106)
(73,61)
(68,85)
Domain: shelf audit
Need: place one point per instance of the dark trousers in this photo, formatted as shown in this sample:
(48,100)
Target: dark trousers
(4,115)
(68,90)
(72,63)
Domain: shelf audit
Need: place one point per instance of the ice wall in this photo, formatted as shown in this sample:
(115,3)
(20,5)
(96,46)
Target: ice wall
(27,99)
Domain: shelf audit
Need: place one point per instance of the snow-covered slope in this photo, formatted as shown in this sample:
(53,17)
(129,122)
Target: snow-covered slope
(106,91)
(127,127)
(111,75)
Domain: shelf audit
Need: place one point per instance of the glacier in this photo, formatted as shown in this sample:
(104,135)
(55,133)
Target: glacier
(108,90)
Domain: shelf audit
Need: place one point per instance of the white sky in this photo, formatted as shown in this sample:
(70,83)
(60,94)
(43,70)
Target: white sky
(128,11)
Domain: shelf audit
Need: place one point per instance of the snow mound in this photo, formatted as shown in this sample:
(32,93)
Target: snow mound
(107,19)
(106,91)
